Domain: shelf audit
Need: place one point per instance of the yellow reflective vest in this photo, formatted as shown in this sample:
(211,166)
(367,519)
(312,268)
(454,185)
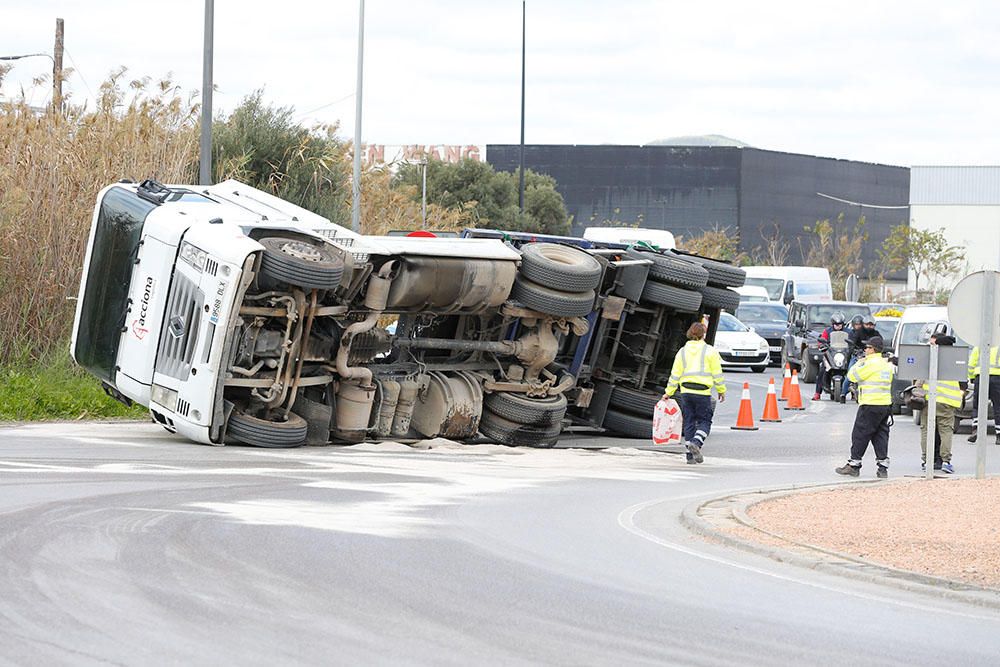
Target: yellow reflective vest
(873,375)
(949,392)
(974,362)
(697,368)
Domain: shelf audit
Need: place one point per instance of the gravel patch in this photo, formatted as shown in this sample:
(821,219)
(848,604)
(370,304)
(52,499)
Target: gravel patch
(945,528)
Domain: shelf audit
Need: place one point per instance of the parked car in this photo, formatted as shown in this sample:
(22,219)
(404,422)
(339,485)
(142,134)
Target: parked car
(739,346)
(768,320)
(806,320)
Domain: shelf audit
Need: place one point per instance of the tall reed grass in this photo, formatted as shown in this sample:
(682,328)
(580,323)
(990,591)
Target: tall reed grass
(52,165)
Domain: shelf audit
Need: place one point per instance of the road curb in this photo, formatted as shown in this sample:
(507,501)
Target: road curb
(711,518)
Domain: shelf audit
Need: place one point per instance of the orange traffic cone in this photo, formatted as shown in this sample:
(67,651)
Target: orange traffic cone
(744,420)
(771,405)
(794,397)
(786,385)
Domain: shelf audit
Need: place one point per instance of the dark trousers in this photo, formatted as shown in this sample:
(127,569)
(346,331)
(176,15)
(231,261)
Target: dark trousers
(871,425)
(994,391)
(820,377)
(697,411)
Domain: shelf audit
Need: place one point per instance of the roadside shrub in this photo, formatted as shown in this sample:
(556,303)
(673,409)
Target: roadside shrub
(51,168)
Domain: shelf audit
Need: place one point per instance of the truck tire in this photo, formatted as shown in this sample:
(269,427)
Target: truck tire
(552,302)
(262,433)
(683,300)
(719,297)
(635,401)
(560,267)
(300,263)
(672,269)
(720,274)
(507,432)
(629,426)
(521,409)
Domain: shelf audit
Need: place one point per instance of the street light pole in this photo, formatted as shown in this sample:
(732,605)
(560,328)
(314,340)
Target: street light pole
(205,148)
(356,186)
(423,198)
(520,184)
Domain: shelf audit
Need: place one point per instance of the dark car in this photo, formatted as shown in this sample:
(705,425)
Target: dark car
(769,321)
(806,321)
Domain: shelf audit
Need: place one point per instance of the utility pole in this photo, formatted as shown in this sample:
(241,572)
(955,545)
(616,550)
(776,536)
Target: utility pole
(520,185)
(57,68)
(423,198)
(205,148)
(356,186)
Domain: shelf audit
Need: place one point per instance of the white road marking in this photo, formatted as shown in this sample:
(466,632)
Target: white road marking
(626,519)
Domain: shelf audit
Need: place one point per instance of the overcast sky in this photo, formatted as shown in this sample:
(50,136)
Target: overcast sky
(895,82)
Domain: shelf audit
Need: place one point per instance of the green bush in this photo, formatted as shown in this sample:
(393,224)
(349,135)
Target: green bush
(55,388)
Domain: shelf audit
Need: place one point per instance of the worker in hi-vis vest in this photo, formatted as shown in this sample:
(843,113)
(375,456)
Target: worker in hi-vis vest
(993,387)
(951,395)
(697,368)
(873,376)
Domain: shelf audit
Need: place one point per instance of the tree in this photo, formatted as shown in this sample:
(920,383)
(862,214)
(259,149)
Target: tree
(925,252)
(836,246)
(263,146)
(489,198)
(718,243)
(774,251)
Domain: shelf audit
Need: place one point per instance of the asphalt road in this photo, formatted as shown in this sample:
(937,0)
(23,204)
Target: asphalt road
(123,544)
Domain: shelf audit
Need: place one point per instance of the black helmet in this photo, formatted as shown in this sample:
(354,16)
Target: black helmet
(875,342)
(838,318)
(856,320)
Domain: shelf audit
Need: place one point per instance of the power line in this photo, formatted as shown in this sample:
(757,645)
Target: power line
(858,203)
(342,99)
(77,70)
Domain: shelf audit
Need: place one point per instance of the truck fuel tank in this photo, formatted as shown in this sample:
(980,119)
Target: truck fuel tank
(451,284)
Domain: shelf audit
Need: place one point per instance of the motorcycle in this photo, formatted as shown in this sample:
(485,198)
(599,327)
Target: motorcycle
(835,360)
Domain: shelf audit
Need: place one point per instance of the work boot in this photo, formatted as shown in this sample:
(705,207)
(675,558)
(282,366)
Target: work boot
(848,469)
(998,437)
(973,437)
(882,472)
(816,397)
(695,450)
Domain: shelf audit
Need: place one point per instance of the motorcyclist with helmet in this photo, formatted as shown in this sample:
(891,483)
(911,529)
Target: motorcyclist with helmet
(837,323)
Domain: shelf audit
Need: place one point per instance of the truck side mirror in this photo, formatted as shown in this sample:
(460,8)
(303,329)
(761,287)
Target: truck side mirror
(789,292)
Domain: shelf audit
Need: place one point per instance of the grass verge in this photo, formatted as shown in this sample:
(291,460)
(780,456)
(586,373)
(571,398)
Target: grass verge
(55,388)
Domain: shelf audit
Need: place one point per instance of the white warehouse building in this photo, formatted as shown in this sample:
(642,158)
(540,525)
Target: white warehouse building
(965,202)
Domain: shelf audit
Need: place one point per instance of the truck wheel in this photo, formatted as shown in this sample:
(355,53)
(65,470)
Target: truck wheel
(520,409)
(721,274)
(629,426)
(507,432)
(560,267)
(552,302)
(719,297)
(635,401)
(262,433)
(300,263)
(683,300)
(809,369)
(671,269)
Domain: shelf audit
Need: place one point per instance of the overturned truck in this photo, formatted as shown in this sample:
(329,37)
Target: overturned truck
(237,317)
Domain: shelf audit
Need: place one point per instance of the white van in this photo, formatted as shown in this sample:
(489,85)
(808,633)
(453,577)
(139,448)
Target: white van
(792,283)
(629,235)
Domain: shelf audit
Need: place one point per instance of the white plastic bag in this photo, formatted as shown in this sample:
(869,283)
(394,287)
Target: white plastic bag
(667,422)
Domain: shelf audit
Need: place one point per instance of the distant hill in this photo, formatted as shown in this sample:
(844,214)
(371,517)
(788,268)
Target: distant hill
(700,140)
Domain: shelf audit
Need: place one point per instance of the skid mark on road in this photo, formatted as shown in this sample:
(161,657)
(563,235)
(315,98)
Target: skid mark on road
(626,519)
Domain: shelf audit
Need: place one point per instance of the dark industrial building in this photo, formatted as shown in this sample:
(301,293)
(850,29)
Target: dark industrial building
(690,189)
